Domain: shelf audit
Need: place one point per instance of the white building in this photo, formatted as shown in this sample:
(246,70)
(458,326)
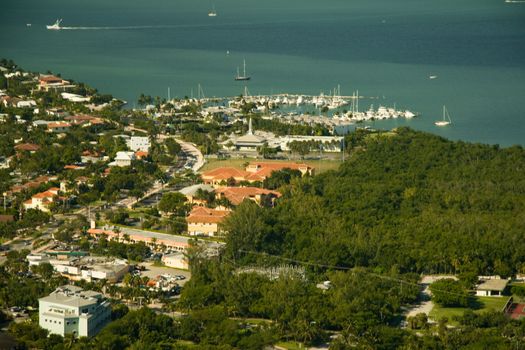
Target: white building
(70,310)
(87,268)
(492,287)
(138,143)
(123,158)
(176,260)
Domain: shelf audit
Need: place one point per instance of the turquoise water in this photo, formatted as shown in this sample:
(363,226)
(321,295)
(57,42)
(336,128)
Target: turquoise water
(386,49)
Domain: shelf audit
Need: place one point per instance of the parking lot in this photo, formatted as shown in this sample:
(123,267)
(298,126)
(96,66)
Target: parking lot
(154,271)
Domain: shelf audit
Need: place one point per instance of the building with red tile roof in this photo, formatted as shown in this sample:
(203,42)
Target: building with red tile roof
(28,147)
(205,222)
(58,127)
(42,200)
(257,171)
(236,195)
(51,82)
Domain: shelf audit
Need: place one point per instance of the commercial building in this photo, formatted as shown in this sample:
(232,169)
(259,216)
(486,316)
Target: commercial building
(256,171)
(492,287)
(71,310)
(176,260)
(205,222)
(75,266)
(138,143)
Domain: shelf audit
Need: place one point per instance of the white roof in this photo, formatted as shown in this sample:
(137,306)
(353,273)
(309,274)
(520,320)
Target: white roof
(192,190)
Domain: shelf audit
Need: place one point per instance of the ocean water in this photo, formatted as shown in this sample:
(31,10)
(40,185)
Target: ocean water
(385,49)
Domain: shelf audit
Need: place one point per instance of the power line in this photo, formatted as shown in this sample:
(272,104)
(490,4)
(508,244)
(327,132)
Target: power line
(346,268)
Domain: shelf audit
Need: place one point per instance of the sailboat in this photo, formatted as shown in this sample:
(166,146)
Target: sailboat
(212,13)
(55,26)
(243,76)
(446,118)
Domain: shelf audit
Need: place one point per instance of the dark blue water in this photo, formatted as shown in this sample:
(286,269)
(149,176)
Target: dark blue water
(386,49)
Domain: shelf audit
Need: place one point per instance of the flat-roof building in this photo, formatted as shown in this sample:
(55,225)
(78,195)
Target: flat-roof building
(71,310)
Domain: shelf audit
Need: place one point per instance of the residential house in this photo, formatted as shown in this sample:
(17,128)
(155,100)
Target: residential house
(51,82)
(58,127)
(27,147)
(123,158)
(42,200)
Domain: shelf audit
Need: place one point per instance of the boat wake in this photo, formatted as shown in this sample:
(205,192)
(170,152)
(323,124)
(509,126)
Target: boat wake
(119,28)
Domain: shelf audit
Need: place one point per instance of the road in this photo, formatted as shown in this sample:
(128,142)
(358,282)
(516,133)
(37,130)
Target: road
(191,149)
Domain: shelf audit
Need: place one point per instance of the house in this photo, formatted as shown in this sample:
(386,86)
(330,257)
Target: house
(138,143)
(42,200)
(71,310)
(58,127)
(205,222)
(191,193)
(492,287)
(51,82)
(27,147)
(84,120)
(26,104)
(176,260)
(236,195)
(123,158)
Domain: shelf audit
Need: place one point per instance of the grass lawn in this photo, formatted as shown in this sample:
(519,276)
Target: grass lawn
(486,304)
(319,165)
(290,345)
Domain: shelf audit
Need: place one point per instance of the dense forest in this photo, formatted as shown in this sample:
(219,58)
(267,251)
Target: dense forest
(410,201)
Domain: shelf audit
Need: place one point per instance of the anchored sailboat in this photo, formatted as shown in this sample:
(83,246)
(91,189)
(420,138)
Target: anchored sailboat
(446,118)
(243,76)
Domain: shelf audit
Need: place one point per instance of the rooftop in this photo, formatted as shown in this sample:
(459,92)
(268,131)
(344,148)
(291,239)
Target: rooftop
(69,295)
(493,284)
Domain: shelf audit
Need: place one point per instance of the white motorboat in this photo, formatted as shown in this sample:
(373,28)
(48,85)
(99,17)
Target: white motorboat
(55,26)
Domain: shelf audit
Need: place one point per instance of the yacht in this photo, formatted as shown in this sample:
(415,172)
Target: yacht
(446,118)
(243,76)
(55,26)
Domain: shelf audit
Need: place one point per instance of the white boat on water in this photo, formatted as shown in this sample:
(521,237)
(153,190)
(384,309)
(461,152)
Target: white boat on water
(55,26)
(446,119)
(212,13)
(431,77)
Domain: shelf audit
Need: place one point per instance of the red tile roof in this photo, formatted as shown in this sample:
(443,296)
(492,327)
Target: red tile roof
(31,147)
(220,174)
(201,215)
(7,218)
(236,195)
